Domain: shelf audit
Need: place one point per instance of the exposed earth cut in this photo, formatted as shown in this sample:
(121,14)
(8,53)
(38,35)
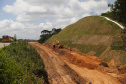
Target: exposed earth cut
(71,67)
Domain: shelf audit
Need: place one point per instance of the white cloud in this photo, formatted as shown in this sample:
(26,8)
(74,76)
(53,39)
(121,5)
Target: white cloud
(38,9)
(17,8)
(30,10)
(46,25)
(10,25)
(47,2)
(31,31)
(55,13)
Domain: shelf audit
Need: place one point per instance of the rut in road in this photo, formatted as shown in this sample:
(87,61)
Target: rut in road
(58,71)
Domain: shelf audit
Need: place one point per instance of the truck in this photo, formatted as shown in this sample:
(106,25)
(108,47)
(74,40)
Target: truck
(6,38)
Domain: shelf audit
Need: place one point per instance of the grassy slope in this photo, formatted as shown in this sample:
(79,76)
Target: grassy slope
(92,34)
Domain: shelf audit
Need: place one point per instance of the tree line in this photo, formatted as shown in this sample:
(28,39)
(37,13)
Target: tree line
(46,34)
(117,11)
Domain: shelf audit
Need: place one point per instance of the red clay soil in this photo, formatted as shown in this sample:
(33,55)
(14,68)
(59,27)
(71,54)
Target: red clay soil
(71,67)
(81,60)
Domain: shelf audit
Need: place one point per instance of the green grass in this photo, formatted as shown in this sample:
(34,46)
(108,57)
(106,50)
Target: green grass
(21,64)
(87,27)
(113,24)
(117,55)
(93,25)
(86,48)
(117,44)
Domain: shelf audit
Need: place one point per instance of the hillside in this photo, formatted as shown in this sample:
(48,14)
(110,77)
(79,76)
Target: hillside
(94,35)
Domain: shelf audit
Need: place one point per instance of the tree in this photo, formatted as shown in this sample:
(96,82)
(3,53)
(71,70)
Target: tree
(15,38)
(119,10)
(44,31)
(58,30)
(108,14)
(43,38)
(46,34)
(49,32)
(55,31)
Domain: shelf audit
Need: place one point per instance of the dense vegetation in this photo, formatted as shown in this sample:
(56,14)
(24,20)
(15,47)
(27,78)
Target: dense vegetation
(46,34)
(117,11)
(21,64)
(108,14)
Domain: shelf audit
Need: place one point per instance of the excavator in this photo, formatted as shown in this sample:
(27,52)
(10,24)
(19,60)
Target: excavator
(57,44)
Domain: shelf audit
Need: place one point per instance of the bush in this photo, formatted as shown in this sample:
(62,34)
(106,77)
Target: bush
(108,14)
(20,63)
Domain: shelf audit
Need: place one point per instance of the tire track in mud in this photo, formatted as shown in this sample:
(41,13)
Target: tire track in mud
(58,71)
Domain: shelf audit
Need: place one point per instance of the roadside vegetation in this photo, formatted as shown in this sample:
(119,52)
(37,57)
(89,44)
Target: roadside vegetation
(21,64)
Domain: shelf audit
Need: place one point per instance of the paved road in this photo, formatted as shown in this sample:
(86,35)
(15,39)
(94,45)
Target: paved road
(4,44)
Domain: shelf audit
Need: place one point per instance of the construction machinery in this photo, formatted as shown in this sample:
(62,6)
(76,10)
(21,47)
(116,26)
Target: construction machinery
(6,38)
(57,44)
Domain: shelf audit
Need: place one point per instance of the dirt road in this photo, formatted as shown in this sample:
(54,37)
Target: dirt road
(4,44)
(69,67)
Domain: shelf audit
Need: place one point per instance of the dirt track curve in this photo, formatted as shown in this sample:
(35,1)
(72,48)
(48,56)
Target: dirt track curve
(69,67)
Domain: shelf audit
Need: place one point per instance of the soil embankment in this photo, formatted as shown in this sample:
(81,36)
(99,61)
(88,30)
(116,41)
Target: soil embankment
(70,67)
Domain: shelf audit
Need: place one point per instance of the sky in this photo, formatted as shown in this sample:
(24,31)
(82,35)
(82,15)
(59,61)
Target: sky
(27,18)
